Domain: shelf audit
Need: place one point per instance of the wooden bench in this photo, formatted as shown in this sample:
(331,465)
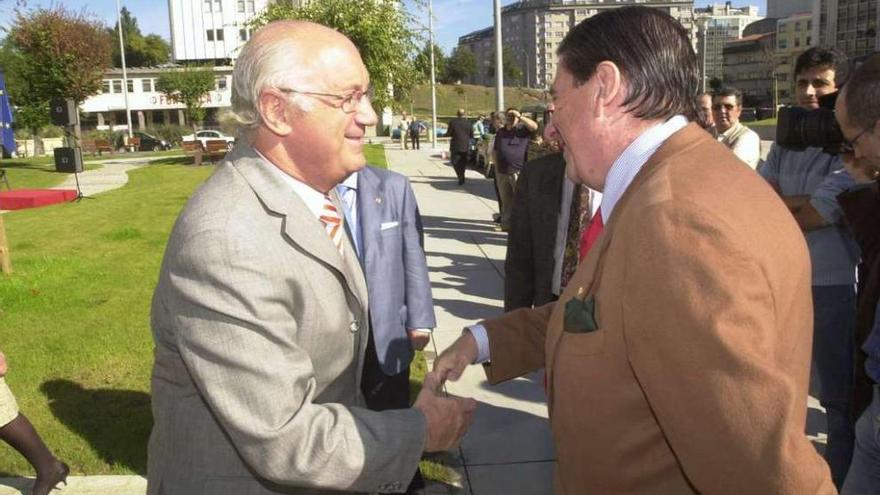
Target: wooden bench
(96,146)
(216,149)
(194,149)
(134,143)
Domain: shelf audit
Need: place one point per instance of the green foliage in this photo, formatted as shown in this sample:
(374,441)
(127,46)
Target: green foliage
(715,84)
(189,86)
(460,65)
(61,53)
(422,63)
(380,30)
(512,71)
(140,50)
(169,132)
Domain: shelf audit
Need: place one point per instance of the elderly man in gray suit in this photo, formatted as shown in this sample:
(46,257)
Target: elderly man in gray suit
(259,317)
(386,229)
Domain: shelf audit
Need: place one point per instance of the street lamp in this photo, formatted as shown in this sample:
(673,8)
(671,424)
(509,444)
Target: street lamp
(124,74)
(433,78)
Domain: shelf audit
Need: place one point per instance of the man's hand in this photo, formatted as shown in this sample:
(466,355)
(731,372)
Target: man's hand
(456,357)
(418,338)
(3,367)
(446,418)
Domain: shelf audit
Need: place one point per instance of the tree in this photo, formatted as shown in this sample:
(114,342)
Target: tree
(53,53)
(422,63)
(188,86)
(460,65)
(140,50)
(380,30)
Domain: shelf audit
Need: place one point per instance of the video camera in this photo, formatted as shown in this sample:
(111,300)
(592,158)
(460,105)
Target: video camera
(798,128)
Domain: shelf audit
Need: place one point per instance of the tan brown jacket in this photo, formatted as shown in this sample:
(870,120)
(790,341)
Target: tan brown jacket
(696,380)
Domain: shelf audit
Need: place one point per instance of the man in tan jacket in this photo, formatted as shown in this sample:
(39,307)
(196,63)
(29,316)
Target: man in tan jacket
(678,355)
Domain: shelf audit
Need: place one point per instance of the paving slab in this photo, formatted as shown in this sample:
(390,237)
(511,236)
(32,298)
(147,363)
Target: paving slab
(81,485)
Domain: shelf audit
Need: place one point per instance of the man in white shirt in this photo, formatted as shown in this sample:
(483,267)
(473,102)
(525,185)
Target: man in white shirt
(726,109)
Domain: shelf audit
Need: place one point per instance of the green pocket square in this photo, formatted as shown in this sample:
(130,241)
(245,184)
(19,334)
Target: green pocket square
(579,315)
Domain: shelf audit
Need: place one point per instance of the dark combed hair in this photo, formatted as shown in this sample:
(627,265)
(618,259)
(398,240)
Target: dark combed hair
(730,91)
(863,93)
(652,51)
(817,57)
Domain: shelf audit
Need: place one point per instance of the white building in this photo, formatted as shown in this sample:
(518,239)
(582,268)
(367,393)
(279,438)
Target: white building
(203,30)
(148,106)
(716,25)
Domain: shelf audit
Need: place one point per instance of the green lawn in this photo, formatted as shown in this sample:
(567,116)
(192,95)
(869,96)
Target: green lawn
(74,317)
(474,99)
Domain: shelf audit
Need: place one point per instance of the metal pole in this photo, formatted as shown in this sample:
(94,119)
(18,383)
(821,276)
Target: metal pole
(433,78)
(499,67)
(124,73)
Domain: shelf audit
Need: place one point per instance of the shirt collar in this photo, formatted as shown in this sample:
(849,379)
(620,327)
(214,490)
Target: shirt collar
(313,198)
(351,181)
(633,158)
(734,128)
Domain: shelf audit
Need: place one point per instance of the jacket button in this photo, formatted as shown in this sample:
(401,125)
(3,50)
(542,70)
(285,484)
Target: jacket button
(354,326)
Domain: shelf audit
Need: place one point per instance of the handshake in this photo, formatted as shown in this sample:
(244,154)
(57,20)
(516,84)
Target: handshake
(447,418)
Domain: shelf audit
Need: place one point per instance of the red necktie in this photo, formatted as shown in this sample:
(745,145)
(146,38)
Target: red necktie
(592,233)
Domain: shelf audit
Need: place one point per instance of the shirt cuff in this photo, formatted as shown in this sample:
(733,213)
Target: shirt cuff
(482,338)
(421,330)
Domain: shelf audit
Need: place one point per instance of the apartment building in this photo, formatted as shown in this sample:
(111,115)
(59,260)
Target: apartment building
(717,25)
(793,37)
(786,8)
(531,30)
(848,25)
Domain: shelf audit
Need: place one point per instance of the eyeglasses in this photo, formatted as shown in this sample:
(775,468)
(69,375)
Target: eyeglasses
(848,146)
(348,102)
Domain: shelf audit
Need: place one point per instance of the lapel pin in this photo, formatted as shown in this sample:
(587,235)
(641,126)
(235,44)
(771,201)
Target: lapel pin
(379,200)
(580,291)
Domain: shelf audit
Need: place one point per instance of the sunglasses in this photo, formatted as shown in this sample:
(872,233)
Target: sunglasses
(728,106)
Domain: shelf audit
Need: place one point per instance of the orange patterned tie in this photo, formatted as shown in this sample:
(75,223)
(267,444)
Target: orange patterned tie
(332,223)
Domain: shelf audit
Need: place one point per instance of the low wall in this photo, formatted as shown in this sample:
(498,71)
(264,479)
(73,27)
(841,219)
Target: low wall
(26,146)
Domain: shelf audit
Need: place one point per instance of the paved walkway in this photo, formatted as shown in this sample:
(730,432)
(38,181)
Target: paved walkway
(508,450)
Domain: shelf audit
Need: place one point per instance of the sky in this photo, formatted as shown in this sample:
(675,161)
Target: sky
(453,18)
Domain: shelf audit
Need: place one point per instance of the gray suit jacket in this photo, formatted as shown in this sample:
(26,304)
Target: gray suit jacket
(395,266)
(259,328)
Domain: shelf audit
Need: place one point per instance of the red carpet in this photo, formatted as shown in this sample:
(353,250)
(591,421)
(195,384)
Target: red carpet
(19,199)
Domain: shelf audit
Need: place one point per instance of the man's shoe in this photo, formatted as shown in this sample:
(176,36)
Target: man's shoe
(496,217)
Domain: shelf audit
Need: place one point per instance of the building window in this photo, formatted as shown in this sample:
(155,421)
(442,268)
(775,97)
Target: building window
(220,83)
(250,6)
(783,45)
(105,86)
(219,35)
(210,33)
(130,85)
(797,26)
(147,85)
(797,42)
(218,6)
(243,34)
(207,5)
(240,6)
(117,85)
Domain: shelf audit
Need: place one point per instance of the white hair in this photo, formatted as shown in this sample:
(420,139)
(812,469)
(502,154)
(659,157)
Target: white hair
(263,64)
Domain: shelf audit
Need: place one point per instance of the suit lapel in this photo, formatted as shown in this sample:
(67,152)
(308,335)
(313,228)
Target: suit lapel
(587,278)
(369,189)
(299,225)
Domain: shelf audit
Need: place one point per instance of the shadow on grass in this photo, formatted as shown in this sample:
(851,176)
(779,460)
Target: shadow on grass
(115,423)
(176,160)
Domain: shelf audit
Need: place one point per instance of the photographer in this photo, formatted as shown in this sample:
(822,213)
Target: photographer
(808,182)
(857,112)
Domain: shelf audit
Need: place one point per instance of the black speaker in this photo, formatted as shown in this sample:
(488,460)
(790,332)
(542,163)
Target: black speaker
(68,160)
(63,111)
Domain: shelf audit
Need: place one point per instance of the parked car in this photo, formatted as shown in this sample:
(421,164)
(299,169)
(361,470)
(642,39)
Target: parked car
(748,115)
(149,142)
(209,135)
(442,129)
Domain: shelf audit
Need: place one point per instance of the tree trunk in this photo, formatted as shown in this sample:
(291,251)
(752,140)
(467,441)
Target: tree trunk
(38,142)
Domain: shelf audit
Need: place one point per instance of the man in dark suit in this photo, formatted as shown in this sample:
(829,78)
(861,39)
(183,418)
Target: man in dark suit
(461,131)
(386,229)
(535,270)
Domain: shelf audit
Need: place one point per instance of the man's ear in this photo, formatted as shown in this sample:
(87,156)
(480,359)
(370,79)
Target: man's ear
(609,86)
(274,108)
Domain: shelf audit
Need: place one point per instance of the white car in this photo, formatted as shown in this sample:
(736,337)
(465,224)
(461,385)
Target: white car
(207,135)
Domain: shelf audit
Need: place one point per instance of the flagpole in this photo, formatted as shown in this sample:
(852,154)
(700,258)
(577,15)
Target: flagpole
(124,73)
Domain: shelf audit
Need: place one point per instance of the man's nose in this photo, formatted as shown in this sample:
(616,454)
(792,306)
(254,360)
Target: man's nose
(365,114)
